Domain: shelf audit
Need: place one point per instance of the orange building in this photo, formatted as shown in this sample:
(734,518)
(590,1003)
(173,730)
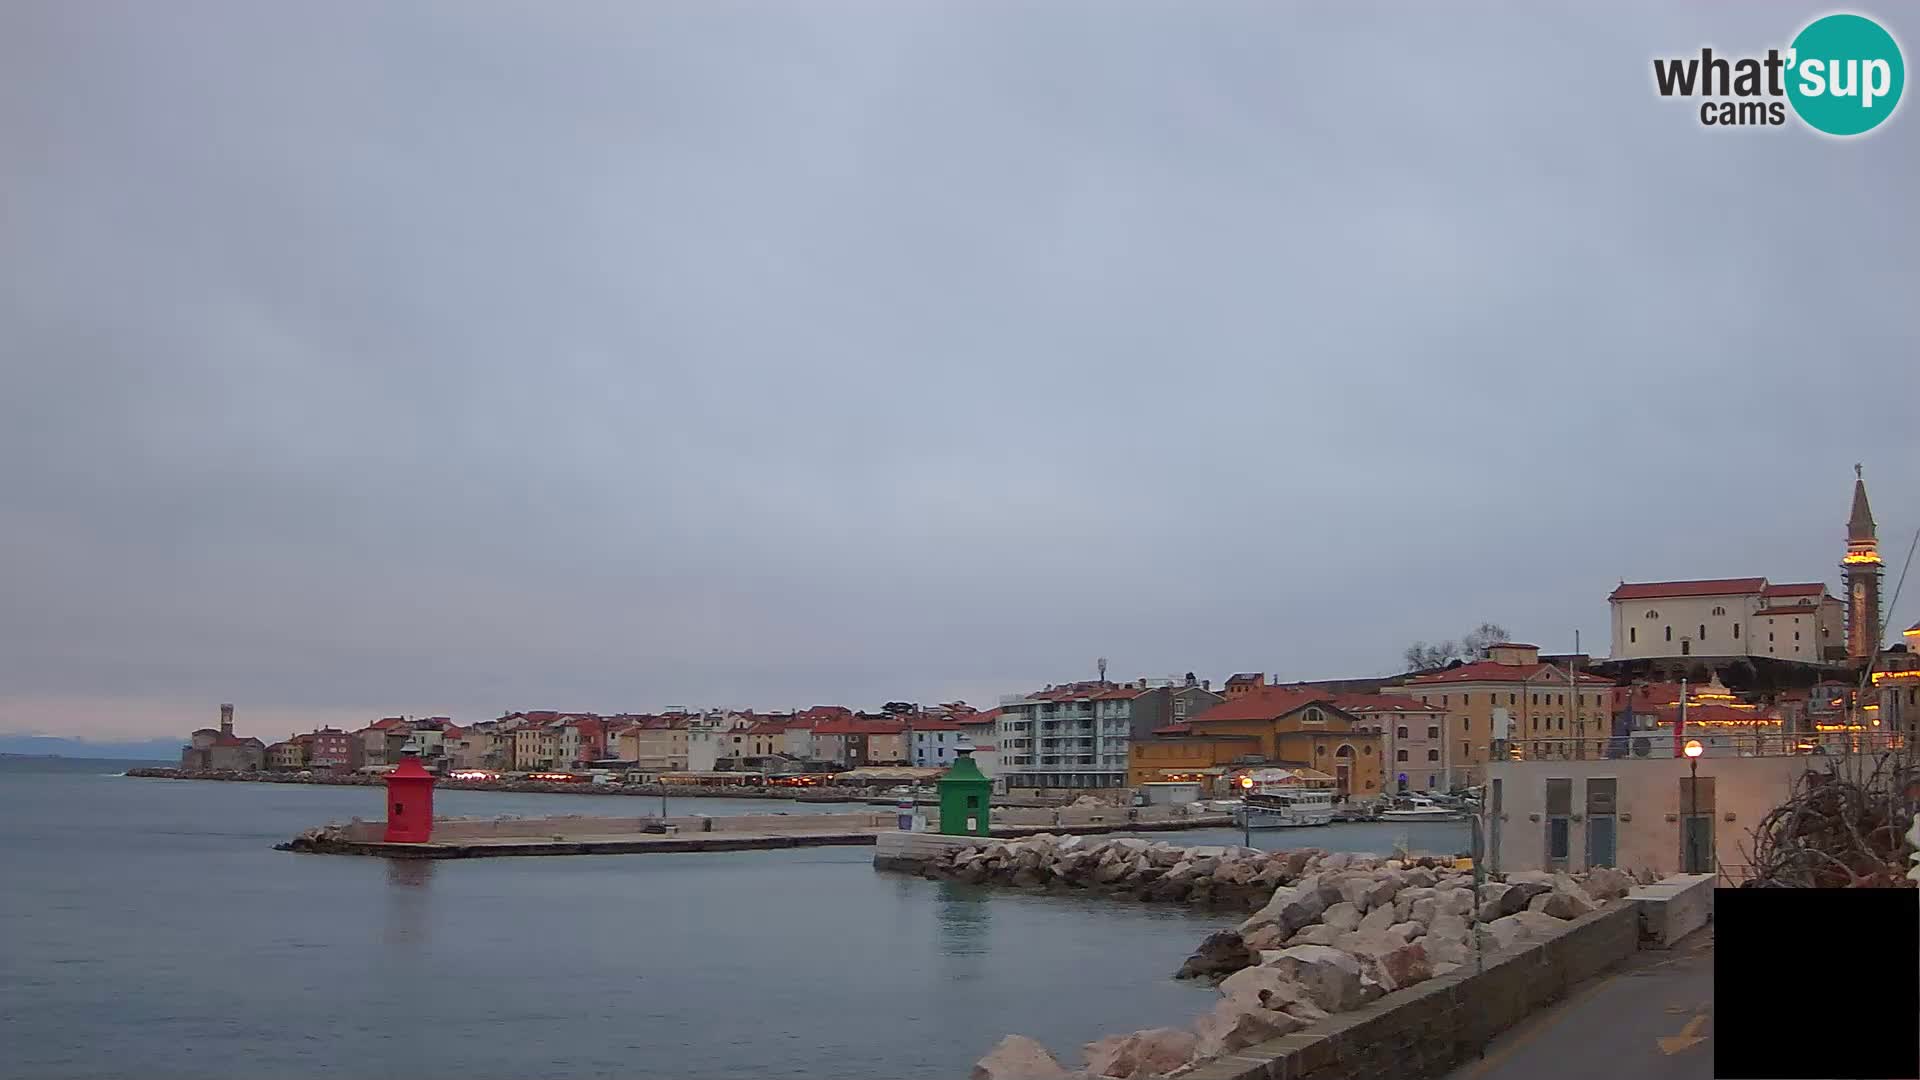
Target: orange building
(1276,726)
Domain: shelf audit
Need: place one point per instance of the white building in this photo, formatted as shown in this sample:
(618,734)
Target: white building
(1727,617)
(1079,735)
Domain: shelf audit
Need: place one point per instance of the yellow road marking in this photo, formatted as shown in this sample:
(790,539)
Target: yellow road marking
(1689,1036)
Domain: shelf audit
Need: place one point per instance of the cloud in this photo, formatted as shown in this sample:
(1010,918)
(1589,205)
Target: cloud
(468,356)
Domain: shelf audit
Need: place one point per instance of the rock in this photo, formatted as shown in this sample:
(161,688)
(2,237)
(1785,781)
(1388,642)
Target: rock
(1341,916)
(1377,921)
(1317,934)
(1219,955)
(1383,892)
(1237,1023)
(1355,892)
(1540,926)
(1266,936)
(1512,899)
(1505,932)
(1454,901)
(1026,878)
(1530,877)
(1070,843)
(1445,968)
(1265,983)
(1153,1052)
(1112,872)
(1561,905)
(1448,925)
(1339,860)
(1419,877)
(1297,863)
(1423,910)
(1396,965)
(1607,883)
(1491,892)
(1407,931)
(1018,1058)
(1233,872)
(1330,976)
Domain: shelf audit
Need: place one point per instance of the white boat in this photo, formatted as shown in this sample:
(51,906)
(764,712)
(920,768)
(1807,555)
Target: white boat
(1415,808)
(1284,808)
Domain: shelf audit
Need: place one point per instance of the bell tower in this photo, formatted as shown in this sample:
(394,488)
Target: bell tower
(1861,570)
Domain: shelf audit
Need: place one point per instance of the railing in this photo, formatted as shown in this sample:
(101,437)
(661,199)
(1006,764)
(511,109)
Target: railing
(1713,744)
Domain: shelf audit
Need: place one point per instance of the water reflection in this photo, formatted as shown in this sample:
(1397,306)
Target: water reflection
(409,916)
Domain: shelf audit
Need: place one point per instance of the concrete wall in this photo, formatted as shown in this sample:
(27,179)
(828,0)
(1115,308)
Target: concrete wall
(457,829)
(1649,805)
(1428,1029)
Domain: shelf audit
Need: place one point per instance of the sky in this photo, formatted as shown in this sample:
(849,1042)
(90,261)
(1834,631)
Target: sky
(454,358)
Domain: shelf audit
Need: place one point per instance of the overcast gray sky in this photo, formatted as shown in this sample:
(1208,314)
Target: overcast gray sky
(462,357)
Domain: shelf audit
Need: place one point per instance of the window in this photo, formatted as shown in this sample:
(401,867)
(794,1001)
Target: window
(1703,631)
(1314,716)
(1796,635)
(1466,723)
(1179,706)
(1466,699)
(1736,631)
(1367,749)
(1653,614)
(1719,611)
(1513,699)
(1400,732)
(1433,731)
(1563,699)
(1669,633)
(1463,754)
(1443,699)
(1433,755)
(1400,755)
(1769,635)
(1633,633)
(1320,750)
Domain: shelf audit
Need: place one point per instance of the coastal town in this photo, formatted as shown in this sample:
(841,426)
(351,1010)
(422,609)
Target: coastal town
(1748,672)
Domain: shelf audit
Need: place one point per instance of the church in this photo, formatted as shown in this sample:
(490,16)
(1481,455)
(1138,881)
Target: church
(1753,623)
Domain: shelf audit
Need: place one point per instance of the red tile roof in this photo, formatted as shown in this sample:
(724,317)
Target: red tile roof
(1180,728)
(1798,609)
(1365,703)
(1713,587)
(1488,671)
(1809,588)
(931,723)
(979,718)
(1263,704)
(859,727)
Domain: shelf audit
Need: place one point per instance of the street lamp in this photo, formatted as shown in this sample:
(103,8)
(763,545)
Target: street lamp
(1693,750)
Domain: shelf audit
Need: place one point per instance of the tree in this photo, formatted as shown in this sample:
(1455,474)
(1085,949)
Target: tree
(1421,656)
(896,708)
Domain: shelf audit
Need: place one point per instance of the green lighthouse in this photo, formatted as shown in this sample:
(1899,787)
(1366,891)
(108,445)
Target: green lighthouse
(965,795)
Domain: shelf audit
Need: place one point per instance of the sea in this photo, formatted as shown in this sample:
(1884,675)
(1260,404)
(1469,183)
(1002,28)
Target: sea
(149,929)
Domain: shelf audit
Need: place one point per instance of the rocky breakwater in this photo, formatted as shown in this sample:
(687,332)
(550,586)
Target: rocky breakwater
(1153,871)
(1341,932)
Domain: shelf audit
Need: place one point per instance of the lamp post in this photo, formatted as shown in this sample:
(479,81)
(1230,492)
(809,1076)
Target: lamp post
(1693,750)
(1246,812)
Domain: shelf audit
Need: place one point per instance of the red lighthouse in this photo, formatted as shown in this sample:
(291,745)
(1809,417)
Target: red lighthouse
(409,803)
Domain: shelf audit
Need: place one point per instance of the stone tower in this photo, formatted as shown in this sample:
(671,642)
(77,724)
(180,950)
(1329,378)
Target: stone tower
(1861,570)
(226,720)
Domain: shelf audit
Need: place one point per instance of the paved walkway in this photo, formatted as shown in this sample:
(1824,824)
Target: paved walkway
(1651,1019)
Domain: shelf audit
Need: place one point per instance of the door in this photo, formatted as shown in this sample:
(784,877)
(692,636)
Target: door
(1602,825)
(1696,825)
(1559,822)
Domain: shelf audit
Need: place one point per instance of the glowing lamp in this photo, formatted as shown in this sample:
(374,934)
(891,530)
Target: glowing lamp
(1246,781)
(1693,748)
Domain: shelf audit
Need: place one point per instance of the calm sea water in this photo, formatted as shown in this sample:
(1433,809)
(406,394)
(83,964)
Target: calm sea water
(149,929)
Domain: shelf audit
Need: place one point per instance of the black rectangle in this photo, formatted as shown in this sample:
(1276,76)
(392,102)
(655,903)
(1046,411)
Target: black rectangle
(1812,984)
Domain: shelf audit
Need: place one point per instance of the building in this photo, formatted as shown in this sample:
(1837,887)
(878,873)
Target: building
(286,756)
(219,750)
(1896,681)
(1862,570)
(1511,695)
(1725,618)
(934,741)
(479,747)
(1079,735)
(1179,755)
(1287,726)
(332,750)
(535,746)
(1414,738)
(656,743)
(860,741)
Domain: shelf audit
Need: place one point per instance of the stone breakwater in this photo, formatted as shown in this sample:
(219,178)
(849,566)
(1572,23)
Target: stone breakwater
(1332,933)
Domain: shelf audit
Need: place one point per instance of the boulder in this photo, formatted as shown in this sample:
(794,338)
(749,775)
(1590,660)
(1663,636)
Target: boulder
(1514,898)
(1530,877)
(1233,872)
(1561,905)
(1266,936)
(1423,910)
(1341,916)
(1396,965)
(1297,862)
(1267,984)
(1540,926)
(1447,967)
(1153,1052)
(1336,861)
(1376,922)
(1018,1058)
(1219,955)
(1317,934)
(1505,932)
(1418,877)
(1454,901)
(1330,977)
(1407,931)
(1383,891)
(1491,892)
(1070,843)
(1607,883)
(1238,1022)
(1112,872)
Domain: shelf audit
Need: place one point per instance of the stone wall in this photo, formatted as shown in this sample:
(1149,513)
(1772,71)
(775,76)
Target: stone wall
(454,830)
(1429,1028)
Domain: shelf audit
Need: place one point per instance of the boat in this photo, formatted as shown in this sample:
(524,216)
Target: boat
(1282,808)
(1418,808)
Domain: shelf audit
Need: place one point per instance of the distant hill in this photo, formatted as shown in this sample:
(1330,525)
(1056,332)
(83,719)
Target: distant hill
(49,746)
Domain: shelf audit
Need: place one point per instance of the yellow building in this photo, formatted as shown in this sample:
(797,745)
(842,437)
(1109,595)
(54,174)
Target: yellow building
(1279,726)
(1512,695)
(1203,758)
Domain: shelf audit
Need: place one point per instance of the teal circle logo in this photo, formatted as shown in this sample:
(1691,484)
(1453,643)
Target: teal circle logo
(1846,74)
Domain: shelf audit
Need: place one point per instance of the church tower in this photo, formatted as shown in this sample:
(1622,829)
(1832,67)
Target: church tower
(1861,569)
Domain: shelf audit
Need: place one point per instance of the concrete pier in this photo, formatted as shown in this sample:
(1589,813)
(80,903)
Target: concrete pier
(507,837)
